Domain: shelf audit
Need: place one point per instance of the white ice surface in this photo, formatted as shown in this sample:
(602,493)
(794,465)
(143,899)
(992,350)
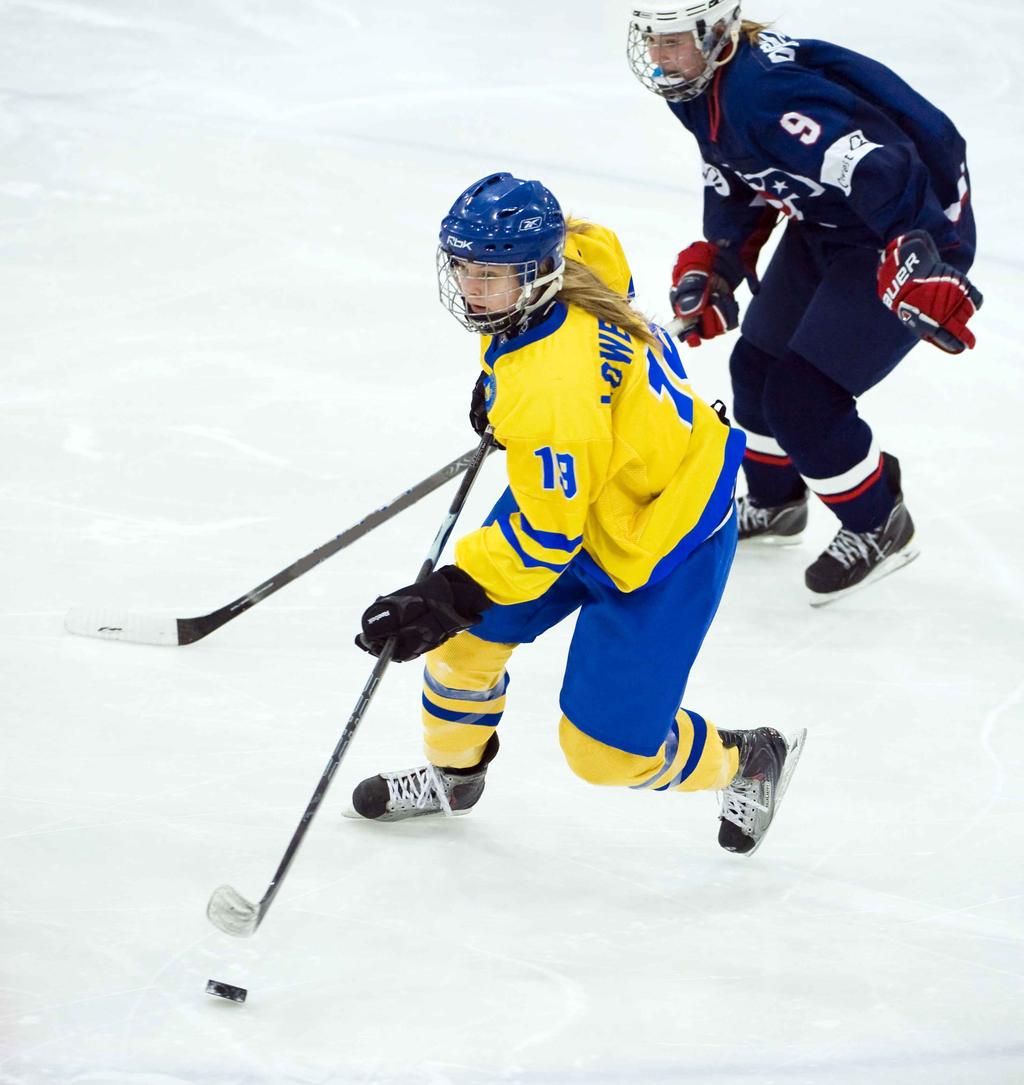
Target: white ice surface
(221,345)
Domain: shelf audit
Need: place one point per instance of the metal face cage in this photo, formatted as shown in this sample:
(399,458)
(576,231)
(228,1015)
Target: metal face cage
(709,41)
(491,298)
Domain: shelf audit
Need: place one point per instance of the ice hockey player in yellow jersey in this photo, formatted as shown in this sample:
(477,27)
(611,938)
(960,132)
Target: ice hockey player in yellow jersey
(620,506)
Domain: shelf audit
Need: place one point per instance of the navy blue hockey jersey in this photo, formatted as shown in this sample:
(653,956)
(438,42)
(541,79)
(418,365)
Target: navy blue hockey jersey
(826,136)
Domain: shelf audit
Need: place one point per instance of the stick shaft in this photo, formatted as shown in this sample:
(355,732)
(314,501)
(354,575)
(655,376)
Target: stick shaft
(370,688)
(108,624)
(193,629)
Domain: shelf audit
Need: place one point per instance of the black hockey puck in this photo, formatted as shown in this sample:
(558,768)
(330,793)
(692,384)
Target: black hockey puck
(225,990)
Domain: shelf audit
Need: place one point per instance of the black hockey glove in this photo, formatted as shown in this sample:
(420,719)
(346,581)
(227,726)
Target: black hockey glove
(478,409)
(423,615)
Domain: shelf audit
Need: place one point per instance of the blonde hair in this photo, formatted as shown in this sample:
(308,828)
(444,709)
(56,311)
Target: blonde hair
(581,287)
(752,31)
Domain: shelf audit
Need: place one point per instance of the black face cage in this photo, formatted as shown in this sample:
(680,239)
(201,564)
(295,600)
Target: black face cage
(711,42)
(455,301)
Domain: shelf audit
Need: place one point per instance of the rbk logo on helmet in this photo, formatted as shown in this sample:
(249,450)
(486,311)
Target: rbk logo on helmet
(531,224)
(458,242)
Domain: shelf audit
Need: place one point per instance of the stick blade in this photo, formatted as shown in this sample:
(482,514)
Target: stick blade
(121,625)
(230,912)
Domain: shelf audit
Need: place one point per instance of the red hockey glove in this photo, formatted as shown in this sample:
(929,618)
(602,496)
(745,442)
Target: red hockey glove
(932,298)
(701,298)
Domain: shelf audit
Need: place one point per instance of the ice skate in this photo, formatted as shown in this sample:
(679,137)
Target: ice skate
(772,525)
(853,559)
(750,802)
(422,791)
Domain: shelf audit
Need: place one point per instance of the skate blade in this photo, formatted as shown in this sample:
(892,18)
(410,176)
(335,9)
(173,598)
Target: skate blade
(353,814)
(796,748)
(883,569)
(770,542)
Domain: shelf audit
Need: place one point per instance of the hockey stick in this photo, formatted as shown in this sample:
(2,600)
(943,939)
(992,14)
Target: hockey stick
(153,629)
(227,908)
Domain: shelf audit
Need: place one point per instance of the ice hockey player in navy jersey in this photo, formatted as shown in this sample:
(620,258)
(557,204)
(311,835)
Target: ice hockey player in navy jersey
(872,181)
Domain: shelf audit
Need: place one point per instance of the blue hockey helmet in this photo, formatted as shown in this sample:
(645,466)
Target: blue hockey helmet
(518,225)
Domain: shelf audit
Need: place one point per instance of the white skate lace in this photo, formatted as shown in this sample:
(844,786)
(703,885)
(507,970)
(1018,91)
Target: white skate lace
(751,515)
(417,788)
(741,804)
(849,547)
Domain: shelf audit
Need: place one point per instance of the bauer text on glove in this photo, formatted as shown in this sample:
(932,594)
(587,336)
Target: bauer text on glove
(932,298)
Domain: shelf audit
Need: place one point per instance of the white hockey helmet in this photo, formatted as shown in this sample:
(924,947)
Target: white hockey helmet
(674,51)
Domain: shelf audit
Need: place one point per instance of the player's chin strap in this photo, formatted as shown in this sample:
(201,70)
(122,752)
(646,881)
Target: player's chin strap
(734,38)
(540,303)
(729,52)
(714,65)
(552,283)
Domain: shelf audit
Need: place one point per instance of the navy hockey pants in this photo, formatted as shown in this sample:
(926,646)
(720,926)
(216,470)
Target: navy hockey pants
(814,339)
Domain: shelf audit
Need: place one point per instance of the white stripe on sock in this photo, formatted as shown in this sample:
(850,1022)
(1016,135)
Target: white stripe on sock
(839,484)
(759,442)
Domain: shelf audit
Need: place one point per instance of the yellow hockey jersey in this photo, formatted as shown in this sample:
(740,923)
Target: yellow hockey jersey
(612,460)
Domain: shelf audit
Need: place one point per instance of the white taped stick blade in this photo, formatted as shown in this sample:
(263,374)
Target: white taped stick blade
(230,912)
(121,625)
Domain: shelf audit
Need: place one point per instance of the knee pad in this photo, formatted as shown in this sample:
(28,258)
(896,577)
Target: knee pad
(597,763)
(694,760)
(802,405)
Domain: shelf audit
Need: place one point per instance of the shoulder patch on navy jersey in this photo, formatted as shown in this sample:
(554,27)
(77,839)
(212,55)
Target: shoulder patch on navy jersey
(777,47)
(714,178)
(841,159)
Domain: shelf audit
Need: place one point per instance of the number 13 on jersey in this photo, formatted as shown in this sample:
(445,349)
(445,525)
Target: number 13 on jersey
(558,471)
